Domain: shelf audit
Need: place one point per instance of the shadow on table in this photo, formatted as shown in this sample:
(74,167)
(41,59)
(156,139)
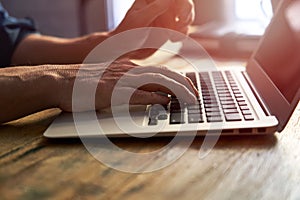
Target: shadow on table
(155,143)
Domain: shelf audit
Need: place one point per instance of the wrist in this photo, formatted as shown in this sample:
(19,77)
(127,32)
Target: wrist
(62,78)
(81,47)
(49,86)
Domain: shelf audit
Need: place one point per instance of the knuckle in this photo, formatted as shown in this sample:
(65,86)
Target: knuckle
(164,68)
(158,77)
(151,78)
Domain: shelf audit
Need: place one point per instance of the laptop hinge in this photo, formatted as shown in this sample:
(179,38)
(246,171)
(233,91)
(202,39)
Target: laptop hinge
(256,94)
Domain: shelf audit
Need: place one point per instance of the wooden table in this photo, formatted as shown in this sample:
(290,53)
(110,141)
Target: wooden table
(252,167)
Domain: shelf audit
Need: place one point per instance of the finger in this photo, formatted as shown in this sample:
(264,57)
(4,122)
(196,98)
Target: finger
(168,73)
(193,86)
(173,75)
(128,95)
(185,10)
(186,22)
(141,97)
(118,68)
(153,10)
(125,61)
(183,27)
(140,54)
(154,80)
(166,20)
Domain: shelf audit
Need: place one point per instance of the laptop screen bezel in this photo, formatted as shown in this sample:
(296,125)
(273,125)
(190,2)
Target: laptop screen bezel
(273,98)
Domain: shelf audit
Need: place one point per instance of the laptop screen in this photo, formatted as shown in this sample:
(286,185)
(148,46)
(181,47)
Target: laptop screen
(279,51)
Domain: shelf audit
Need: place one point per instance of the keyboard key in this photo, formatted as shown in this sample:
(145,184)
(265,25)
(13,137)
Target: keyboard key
(244,108)
(210,102)
(246,112)
(213,105)
(195,118)
(223,92)
(213,114)
(175,106)
(229,106)
(152,121)
(233,117)
(194,107)
(226,98)
(236,92)
(235,89)
(177,111)
(214,119)
(240,100)
(214,109)
(227,102)
(177,118)
(220,83)
(239,96)
(224,95)
(199,111)
(153,113)
(228,111)
(221,88)
(248,117)
(162,117)
(208,93)
(242,103)
(206,85)
(210,97)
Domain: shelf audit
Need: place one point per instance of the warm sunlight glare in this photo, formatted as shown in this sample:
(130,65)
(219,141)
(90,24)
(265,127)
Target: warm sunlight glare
(254,10)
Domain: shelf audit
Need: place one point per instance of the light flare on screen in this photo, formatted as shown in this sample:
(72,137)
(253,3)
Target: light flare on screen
(280,50)
(255,10)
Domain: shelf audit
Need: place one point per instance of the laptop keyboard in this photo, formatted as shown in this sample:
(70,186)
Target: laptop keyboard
(220,100)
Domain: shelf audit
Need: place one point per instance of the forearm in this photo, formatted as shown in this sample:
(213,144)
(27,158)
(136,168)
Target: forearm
(38,49)
(26,90)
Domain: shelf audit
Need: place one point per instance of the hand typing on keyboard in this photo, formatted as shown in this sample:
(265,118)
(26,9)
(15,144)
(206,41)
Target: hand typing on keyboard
(125,78)
(220,100)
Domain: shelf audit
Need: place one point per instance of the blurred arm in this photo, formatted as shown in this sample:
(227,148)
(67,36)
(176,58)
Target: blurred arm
(39,49)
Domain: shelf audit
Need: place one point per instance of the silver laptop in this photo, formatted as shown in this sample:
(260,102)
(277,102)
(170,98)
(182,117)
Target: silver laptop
(259,100)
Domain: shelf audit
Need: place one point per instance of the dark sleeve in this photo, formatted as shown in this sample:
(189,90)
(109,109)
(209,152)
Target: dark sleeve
(12,31)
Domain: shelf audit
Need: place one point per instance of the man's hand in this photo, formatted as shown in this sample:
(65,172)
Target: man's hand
(176,15)
(124,78)
(172,14)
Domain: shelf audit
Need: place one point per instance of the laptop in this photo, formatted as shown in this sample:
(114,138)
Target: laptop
(258,100)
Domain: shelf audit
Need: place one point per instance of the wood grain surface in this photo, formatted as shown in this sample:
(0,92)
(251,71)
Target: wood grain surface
(260,167)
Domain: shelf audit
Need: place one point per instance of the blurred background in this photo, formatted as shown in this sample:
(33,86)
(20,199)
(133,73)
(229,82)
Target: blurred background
(215,19)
